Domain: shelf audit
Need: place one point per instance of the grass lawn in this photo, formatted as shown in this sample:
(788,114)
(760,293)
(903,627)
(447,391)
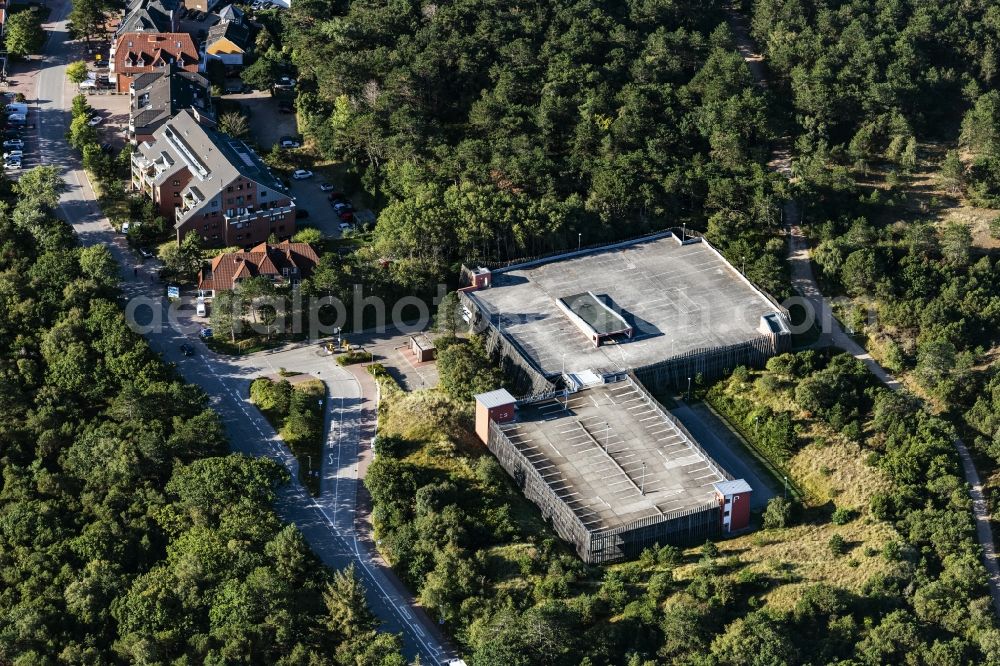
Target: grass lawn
(296,412)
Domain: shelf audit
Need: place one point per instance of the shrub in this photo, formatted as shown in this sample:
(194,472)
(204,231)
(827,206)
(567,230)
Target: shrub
(778,513)
(842,515)
(838,546)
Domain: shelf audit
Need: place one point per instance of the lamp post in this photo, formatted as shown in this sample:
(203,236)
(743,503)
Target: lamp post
(643,488)
(785,493)
(684,231)
(689,388)
(579,241)
(607,435)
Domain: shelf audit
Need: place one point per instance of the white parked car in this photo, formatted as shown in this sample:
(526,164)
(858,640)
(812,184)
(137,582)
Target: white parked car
(13,143)
(95,120)
(12,166)
(14,153)
(302,174)
(344,226)
(290,143)
(199,307)
(17,118)
(89,84)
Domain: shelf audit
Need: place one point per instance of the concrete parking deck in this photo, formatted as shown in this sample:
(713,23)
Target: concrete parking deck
(613,457)
(678,298)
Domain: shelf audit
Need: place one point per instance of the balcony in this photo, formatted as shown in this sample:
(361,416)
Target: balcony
(241,219)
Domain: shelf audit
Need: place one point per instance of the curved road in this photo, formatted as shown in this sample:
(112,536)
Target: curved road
(805,284)
(329,522)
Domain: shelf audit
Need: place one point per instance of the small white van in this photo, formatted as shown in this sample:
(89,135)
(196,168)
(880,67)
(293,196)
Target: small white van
(199,307)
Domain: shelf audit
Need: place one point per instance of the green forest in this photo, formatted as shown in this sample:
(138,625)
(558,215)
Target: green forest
(494,130)
(127,534)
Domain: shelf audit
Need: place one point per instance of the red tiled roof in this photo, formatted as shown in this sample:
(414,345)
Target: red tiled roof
(155,50)
(262,259)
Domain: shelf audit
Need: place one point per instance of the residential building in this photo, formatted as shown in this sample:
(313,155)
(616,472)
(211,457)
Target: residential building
(150,16)
(284,263)
(135,53)
(156,97)
(229,40)
(211,184)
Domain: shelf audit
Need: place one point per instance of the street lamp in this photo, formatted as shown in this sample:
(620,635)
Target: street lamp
(643,489)
(579,240)
(689,388)
(684,231)
(785,493)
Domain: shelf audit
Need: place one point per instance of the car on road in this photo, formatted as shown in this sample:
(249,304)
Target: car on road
(187,349)
(200,308)
(288,142)
(302,174)
(327,187)
(205,333)
(13,143)
(145,252)
(95,120)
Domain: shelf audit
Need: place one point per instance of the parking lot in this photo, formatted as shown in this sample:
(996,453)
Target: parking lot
(114,109)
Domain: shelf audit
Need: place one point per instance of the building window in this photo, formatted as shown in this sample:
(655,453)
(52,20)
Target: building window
(239,236)
(263,193)
(249,186)
(176,183)
(229,189)
(177,195)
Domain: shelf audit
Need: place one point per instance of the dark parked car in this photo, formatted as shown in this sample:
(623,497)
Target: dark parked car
(301,214)
(286,107)
(187,349)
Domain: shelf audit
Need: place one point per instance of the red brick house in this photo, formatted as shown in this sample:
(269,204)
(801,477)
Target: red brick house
(211,184)
(135,53)
(284,263)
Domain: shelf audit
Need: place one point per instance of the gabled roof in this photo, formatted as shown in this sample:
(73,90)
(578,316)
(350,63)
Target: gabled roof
(154,50)
(158,95)
(237,33)
(149,16)
(231,13)
(214,159)
(263,259)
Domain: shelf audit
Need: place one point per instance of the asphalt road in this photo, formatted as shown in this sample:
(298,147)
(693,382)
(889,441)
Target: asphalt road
(722,445)
(328,522)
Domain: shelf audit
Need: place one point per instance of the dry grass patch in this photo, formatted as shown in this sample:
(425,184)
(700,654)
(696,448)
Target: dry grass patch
(832,470)
(796,557)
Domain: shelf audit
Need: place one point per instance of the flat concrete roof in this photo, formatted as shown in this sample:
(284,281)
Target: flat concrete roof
(593,451)
(678,298)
